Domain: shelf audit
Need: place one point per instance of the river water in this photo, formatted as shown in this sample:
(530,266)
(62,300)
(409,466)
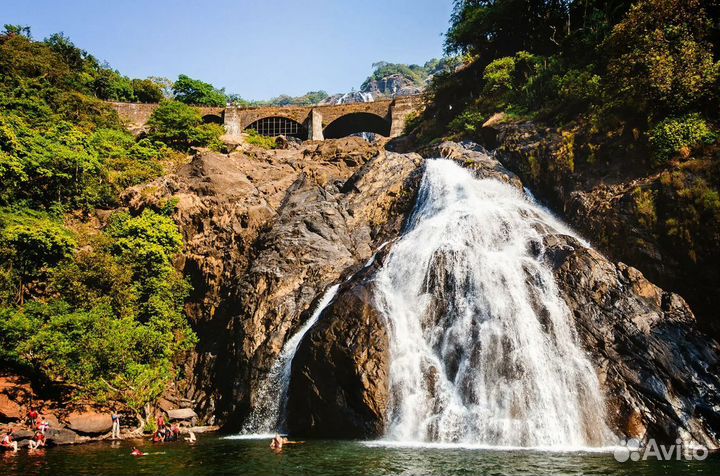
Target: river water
(214,455)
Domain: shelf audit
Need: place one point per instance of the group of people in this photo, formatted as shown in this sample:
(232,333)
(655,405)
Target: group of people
(8,441)
(165,433)
(35,423)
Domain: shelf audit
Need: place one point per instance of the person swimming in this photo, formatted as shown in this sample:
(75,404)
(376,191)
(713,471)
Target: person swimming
(279,441)
(136,452)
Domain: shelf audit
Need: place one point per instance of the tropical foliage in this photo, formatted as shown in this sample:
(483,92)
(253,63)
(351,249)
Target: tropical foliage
(92,308)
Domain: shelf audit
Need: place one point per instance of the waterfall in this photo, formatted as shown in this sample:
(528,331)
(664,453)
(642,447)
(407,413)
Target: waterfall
(483,348)
(353,97)
(268,415)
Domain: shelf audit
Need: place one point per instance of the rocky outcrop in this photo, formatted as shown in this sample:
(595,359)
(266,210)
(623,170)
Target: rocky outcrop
(340,374)
(664,221)
(266,232)
(9,410)
(89,422)
(392,85)
(657,370)
(15,392)
(659,373)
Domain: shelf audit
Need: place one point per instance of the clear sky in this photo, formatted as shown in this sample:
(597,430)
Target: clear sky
(256,48)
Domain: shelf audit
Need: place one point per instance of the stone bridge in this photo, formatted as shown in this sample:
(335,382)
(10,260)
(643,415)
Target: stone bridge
(384,117)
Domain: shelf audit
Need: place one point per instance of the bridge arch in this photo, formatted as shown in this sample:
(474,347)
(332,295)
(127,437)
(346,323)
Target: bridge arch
(213,119)
(279,126)
(357,122)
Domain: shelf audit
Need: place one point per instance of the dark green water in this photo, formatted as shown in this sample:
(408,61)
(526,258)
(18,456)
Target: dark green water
(212,455)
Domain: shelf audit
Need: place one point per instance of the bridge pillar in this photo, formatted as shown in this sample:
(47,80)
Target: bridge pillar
(400,109)
(232,123)
(315,127)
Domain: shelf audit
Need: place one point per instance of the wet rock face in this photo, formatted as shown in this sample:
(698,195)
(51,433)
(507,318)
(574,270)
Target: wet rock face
(657,370)
(266,232)
(633,210)
(659,373)
(340,374)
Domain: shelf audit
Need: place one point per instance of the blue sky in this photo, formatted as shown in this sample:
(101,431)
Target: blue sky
(256,48)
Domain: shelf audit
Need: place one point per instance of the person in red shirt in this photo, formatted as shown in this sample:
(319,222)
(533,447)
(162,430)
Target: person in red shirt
(136,452)
(37,441)
(161,422)
(32,417)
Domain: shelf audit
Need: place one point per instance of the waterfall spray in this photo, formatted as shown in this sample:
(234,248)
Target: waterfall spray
(483,348)
(268,415)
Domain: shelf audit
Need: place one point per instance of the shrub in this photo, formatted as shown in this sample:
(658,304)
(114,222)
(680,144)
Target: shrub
(679,135)
(259,140)
(661,57)
(469,122)
(180,126)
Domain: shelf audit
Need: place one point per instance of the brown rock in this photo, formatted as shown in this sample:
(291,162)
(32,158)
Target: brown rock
(181,414)
(89,422)
(63,436)
(340,374)
(9,410)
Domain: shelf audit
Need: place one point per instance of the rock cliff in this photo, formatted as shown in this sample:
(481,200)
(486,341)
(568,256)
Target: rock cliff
(665,221)
(657,370)
(266,232)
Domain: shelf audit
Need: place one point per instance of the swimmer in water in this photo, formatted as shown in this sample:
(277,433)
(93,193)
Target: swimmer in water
(279,441)
(136,452)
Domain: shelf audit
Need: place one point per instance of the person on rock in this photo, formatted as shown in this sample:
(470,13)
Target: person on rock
(43,425)
(115,425)
(38,441)
(175,431)
(32,417)
(161,422)
(8,442)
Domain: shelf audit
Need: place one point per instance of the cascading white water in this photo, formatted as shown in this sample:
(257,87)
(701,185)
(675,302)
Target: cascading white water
(268,415)
(353,97)
(483,347)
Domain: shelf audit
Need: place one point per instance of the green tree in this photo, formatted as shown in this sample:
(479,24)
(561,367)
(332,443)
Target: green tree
(198,93)
(146,90)
(662,58)
(180,127)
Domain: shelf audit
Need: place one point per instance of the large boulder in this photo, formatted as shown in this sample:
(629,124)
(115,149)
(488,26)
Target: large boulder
(89,422)
(9,410)
(181,414)
(339,385)
(63,436)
